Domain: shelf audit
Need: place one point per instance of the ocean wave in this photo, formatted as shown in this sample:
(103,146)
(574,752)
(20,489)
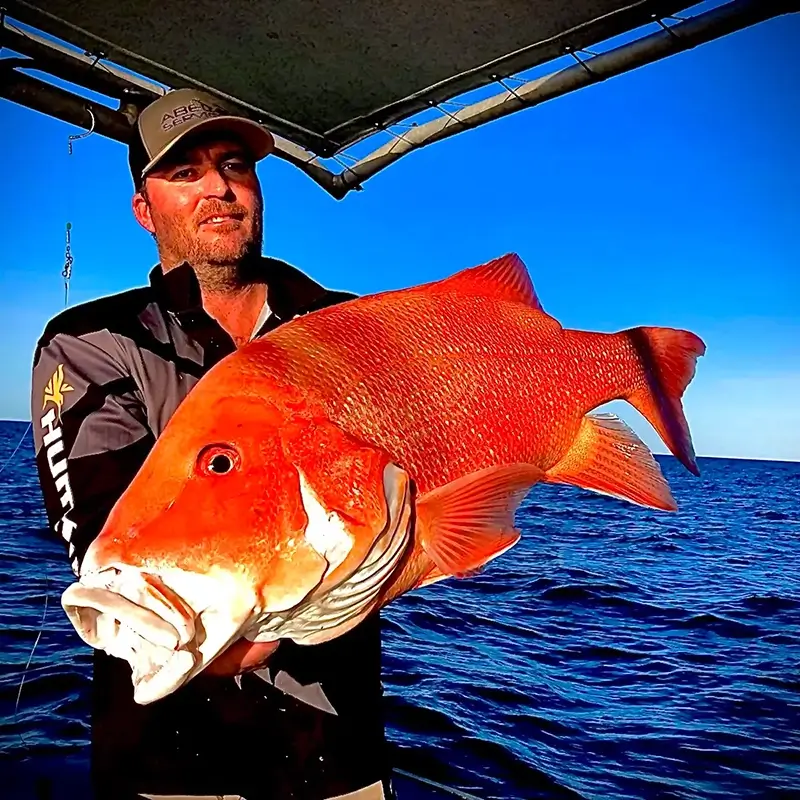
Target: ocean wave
(614,654)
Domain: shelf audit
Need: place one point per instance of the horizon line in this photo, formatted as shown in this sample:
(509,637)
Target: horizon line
(654,452)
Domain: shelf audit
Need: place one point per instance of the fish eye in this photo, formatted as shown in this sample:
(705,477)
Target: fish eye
(221,464)
(218,460)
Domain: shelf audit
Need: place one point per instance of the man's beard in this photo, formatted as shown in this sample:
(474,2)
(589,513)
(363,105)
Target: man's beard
(221,264)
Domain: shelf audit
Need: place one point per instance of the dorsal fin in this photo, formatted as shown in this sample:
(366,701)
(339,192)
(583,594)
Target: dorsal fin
(505,278)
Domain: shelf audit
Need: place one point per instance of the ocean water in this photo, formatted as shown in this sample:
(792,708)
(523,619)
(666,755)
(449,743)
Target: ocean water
(614,653)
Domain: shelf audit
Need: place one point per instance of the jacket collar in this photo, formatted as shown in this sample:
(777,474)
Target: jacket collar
(289,291)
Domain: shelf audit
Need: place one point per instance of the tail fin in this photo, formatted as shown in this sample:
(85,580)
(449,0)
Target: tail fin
(669,358)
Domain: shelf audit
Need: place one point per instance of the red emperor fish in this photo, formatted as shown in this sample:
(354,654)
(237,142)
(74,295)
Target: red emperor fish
(362,451)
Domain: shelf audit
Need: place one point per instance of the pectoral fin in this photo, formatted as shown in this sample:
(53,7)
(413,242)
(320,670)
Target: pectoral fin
(466,523)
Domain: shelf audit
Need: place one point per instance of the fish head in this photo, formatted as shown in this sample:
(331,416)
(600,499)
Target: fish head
(247,513)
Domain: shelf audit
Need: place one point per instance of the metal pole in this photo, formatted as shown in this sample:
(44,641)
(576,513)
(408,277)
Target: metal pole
(61,104)
(677,38)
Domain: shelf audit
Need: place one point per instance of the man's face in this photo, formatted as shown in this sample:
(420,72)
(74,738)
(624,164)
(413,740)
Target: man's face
(204,206)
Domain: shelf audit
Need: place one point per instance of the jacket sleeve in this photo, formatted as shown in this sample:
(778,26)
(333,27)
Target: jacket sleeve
(90,433)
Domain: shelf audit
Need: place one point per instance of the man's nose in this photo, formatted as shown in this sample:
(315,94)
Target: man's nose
(215,184)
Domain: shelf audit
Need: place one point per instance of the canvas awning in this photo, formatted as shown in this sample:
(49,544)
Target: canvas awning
(325,75)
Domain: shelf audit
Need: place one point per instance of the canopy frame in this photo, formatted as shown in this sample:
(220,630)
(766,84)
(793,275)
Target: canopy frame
(94,71)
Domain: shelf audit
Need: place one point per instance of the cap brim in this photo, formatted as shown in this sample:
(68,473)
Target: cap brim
(258,140)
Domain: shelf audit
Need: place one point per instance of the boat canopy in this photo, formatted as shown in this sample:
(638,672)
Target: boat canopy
(333,78)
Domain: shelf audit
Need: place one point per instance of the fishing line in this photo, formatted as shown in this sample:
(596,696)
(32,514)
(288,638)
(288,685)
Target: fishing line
(44,614)
(66,275)
(19,444)
(30,658)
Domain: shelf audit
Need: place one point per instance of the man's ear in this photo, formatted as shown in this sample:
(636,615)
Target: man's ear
(141,210)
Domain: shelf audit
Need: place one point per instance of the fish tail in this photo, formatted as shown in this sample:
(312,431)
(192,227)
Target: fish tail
(668,357)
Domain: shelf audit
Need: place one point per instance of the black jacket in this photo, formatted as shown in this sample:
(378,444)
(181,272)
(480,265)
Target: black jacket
(107,377)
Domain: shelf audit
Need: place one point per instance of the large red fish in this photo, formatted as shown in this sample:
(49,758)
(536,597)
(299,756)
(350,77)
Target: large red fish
(362,451)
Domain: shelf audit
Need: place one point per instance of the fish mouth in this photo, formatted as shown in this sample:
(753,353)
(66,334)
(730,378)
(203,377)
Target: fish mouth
(142,619)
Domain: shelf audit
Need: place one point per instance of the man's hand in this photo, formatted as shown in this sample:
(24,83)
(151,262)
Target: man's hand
(241,656)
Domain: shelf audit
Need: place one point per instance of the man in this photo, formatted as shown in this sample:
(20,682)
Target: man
(299,722)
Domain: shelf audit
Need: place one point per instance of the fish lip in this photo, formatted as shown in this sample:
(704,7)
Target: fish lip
(151,594)
(108,619)
(163,625)
(151,687)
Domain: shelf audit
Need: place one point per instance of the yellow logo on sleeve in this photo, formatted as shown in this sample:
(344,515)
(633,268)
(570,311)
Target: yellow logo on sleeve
(54,392)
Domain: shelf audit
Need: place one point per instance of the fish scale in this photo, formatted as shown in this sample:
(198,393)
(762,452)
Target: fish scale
(434,392)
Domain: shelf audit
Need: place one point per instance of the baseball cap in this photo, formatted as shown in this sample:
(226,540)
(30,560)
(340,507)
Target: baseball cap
(180,112)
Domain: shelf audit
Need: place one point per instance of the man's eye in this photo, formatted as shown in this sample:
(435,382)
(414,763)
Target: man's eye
(184,174)
(236,165)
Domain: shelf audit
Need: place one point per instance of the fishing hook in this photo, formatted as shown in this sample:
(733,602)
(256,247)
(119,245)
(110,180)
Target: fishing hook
(75,136)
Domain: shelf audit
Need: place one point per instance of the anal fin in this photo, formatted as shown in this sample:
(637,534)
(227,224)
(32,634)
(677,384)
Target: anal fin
(609,458)
(466,523)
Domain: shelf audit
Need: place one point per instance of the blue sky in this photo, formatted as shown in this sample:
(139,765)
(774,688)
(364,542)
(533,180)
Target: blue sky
(667,196)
